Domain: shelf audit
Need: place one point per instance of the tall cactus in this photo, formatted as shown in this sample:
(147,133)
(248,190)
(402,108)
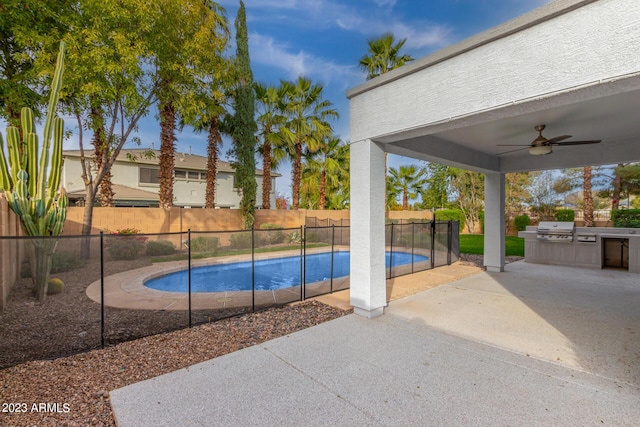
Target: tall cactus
(32,195)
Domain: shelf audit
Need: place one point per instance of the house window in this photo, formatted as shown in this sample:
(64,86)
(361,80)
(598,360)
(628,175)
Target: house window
(149,176)
(193,175)
(180,174)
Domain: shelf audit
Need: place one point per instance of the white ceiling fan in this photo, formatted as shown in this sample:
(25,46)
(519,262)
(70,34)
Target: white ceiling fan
(541,145)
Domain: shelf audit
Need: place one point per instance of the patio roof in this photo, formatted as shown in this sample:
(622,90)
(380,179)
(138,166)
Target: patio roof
(571,65)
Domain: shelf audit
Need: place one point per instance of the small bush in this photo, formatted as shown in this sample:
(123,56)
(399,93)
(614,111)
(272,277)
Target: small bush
(55,286)
(240,240)
(160,247)
(204,244)
(65,261)
(451,215)
(271,237)
(626,218)
(125,244)
(565,215)
(521,222)
(295,237)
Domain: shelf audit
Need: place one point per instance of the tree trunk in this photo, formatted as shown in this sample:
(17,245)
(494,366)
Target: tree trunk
(588,198)
(617,188)
(87,222)
(405,201)
(323,189)
(213,146)
(297,173)
(266,173)
(100,144)
(167,152)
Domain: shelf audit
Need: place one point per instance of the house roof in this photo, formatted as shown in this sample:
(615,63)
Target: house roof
(182,160)
(122,192)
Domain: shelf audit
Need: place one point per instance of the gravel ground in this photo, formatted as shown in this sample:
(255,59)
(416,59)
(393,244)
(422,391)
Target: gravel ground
(80,384)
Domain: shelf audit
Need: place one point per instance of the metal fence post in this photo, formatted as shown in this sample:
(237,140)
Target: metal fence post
(301,268)
(413,245)
(433,242)
(391,253)
(253,272)
(304,266)
(102,289)
(449,238)
(333,236)
(189,271)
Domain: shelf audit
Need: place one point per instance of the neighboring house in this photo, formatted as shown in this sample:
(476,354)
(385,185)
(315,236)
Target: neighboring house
(135,180)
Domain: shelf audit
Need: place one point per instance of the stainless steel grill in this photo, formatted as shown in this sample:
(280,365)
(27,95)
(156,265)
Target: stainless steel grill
(556,231)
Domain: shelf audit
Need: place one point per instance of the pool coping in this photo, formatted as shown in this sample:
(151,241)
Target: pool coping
(126,290)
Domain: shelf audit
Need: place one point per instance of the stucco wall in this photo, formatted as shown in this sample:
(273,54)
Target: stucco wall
(11,253)
(526,64)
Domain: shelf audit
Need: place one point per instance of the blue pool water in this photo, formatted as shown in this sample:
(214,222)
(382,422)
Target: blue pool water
(270,274)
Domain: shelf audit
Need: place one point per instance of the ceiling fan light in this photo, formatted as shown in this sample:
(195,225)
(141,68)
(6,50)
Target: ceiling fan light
(540,150)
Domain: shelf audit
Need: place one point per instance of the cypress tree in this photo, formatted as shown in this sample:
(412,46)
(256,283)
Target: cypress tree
(243,124)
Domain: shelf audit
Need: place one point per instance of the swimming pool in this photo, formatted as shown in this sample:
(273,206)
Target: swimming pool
(270,274)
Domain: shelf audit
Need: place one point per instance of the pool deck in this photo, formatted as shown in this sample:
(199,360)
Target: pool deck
(126,289)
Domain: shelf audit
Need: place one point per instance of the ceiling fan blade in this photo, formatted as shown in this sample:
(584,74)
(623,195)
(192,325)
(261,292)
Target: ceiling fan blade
(513,151)
(556,139)
(595,141)
(513,145)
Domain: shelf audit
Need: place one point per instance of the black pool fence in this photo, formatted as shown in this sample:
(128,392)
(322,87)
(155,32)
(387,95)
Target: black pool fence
(97,293)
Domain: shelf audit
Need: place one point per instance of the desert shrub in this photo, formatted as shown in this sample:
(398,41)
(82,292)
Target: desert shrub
(125,244)
(55,286)
(294,237)
(271,237)
(521,222)
(626,218)
(65,261)
(160,247)
(240,240)
(565,215)
(204,244)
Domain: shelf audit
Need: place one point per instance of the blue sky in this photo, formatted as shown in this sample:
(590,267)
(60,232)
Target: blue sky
(324,40)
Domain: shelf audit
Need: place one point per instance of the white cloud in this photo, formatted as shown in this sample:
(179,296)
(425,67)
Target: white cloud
(266,51)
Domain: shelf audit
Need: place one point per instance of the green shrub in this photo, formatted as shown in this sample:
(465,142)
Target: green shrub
(205,244)
(295,237)
(65,261)
(125,244)
(240,240)
(55,286)
(627,218)
(481,218)
(160,247)
(565,215)
(451,215)
(271,237)
(521,222)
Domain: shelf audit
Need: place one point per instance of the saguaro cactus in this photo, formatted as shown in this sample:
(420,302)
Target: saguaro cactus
(32,195)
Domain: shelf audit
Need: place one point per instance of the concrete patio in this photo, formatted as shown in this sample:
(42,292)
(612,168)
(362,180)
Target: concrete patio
(534,345)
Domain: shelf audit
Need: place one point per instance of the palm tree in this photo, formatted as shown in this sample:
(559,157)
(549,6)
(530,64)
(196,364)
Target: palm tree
(384,56)
(270,107)
(588,197)
(408,181)
(325,168)
(307,124)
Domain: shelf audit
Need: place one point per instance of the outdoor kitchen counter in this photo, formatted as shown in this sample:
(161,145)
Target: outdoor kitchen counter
(585,254)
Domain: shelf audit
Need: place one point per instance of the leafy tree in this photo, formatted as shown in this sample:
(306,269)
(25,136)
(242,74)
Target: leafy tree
(406,181)
(383,56)
(469,187)
(109,84)
(325,171)
(243,123)
(516,194)
(30,31)
(306,126)
(544,197)
(184,33)
(435,193)
(271,106)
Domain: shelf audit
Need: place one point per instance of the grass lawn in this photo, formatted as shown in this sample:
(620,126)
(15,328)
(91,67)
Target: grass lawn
(474,244)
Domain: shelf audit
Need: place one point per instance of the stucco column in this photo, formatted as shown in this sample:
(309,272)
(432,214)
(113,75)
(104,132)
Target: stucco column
(494,197)
(367,281)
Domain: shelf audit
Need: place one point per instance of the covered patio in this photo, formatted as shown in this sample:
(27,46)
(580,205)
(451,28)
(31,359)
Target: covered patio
(571,65)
